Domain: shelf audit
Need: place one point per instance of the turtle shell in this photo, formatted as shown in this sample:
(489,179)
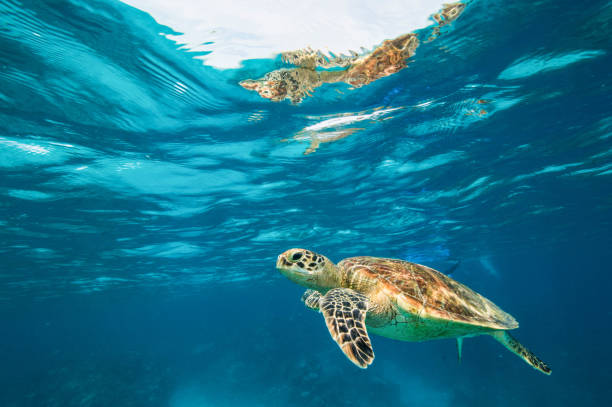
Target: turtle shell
(423,291)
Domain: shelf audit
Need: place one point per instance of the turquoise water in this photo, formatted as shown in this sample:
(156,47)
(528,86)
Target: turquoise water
(144,198)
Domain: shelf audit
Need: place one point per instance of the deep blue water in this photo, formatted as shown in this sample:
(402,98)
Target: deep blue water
(145,196)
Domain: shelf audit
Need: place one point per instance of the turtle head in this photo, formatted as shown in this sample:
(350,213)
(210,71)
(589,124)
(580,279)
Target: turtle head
(268,89)
(307,268)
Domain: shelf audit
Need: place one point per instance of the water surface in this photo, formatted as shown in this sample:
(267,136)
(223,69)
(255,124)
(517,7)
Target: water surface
(144,197)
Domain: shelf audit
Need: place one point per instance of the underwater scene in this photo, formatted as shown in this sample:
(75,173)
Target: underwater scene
(324,203)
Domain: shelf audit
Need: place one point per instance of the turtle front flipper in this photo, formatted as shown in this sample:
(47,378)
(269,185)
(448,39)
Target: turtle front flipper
(345,313)
(518,349)
(311,298)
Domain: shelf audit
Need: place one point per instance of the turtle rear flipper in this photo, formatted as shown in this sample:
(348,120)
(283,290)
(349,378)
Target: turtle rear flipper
(518,349)
(345,313)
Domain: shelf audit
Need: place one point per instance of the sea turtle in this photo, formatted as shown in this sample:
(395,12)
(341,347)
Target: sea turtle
(396,299)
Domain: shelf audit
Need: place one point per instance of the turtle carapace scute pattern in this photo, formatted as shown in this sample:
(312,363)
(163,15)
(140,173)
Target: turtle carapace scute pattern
(396,299)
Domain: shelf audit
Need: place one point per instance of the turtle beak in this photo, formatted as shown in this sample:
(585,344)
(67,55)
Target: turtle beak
(281,262)
(285,266)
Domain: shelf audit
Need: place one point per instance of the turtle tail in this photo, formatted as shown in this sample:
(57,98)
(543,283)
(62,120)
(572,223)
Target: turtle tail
(518,349)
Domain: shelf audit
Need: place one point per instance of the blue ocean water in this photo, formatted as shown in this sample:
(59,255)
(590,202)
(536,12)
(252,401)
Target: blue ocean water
(144,198)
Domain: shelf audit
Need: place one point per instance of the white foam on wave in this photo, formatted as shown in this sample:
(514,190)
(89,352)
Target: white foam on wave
(249,29)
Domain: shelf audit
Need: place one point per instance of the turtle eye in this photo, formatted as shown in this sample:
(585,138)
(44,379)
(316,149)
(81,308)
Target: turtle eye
(296,256)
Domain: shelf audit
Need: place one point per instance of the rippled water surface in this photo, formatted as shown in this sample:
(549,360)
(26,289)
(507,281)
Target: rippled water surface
(145,196)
